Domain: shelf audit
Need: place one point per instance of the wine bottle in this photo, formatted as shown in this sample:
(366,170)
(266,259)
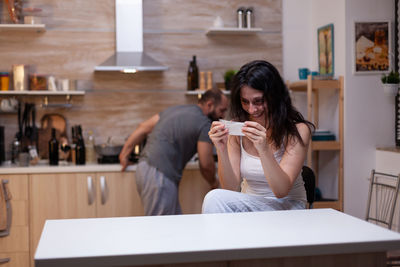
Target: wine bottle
(193,75)
(53,148)
(189,76)
(80,148)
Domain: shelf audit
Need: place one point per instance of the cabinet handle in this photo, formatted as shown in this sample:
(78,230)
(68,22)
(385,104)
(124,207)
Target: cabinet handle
(4,260)
(104,189)
(90,190)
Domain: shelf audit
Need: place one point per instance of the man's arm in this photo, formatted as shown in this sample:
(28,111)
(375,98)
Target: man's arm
(206,162)
(137,136)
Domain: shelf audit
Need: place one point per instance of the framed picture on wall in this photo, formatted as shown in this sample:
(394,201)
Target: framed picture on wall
(326,50)
(372,47)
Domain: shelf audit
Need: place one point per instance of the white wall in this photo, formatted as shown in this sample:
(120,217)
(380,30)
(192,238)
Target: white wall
(369,113)
(296,28)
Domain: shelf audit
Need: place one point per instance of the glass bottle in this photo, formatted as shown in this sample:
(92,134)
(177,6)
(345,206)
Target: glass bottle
(89,147)
(80,154)
(53,148)
(193,75)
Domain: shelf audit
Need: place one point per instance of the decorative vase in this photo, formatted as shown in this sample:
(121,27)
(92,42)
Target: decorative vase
(390,88)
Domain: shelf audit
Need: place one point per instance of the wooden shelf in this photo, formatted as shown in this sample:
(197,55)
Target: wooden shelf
(200,92)
(41,93)
(23,27)
(337,205)
(313,88)
(243,31)
(317,84)
(298,86)
(325,145)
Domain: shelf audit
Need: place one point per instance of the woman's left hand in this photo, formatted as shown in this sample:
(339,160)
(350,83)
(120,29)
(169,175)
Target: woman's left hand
(257,134)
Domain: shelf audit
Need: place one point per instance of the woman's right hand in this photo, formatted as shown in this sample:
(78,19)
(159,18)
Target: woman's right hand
(218,135)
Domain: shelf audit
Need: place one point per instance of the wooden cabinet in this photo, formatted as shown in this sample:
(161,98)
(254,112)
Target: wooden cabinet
(314,89)
(192,189)
(80,195)
(14,248)
(117,195)
(60,196)
(42,196)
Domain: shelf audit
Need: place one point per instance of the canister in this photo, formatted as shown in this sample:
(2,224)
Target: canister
(4,81)
(249,17)
(240,17)
(20,77)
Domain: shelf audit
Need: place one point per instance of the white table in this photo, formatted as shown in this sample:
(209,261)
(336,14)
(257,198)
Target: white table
(304,236)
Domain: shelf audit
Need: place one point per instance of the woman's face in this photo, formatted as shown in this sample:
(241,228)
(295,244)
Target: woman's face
(253,103)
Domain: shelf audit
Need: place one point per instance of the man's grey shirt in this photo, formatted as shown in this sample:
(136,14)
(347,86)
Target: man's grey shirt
(173,141)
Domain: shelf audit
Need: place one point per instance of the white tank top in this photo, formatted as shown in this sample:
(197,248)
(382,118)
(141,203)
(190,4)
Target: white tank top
(254,181)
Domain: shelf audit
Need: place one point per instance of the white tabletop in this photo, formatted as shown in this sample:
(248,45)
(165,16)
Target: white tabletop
(207,237)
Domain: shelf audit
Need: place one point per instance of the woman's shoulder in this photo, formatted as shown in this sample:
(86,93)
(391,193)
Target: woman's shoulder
(304,131)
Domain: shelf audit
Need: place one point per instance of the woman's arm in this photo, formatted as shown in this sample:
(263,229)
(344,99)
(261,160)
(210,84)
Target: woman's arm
(280,176)
(229,165)
(228,153)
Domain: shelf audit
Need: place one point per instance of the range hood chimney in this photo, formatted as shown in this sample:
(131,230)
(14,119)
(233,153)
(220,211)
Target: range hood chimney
(129,57)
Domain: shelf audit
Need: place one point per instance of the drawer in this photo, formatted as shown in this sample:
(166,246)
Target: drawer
(16,241)
(15,259)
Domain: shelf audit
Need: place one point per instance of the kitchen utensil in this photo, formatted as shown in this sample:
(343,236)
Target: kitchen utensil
(108,149)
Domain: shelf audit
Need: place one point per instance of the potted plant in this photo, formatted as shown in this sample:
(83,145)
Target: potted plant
(391,82)
(228,77)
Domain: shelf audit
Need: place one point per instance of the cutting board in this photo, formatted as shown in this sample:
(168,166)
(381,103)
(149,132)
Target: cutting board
(47,122)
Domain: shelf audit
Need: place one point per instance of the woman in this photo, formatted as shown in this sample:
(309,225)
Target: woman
(266,162)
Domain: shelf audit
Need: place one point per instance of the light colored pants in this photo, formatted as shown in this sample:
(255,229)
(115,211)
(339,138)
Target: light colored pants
(158,193)
(225,201)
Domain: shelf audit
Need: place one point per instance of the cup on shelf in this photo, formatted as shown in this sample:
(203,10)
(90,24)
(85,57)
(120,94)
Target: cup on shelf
(32,20)
(303,73)
(218,22)
(63,84)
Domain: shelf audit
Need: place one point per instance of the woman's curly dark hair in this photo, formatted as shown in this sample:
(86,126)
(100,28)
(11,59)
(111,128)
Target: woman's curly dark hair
(282,115)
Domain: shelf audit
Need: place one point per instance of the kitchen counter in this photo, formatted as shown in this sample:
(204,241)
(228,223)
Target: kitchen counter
(215,238)
(71,168)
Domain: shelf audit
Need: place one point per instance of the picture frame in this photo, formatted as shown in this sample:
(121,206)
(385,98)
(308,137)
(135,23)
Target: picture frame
(326,51)
(372,47)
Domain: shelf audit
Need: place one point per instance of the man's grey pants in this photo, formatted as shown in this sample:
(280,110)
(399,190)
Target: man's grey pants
(158,193)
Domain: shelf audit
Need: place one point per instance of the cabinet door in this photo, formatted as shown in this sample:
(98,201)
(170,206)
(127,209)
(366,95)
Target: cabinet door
(60,196)
(117,195)
(14,247)
(192,189)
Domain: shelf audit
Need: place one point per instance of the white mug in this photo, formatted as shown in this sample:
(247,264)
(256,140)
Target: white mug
(63,84)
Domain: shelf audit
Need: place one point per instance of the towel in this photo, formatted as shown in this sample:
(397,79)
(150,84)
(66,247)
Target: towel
(5,197)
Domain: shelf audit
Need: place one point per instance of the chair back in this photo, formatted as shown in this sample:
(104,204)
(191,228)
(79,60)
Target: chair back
(382,198)
(309,183)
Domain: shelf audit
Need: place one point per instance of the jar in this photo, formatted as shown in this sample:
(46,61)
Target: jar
(4,81)
(249,17)
(240,17)
(37,82)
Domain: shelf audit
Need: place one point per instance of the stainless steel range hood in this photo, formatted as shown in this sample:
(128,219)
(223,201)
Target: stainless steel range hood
(129,57)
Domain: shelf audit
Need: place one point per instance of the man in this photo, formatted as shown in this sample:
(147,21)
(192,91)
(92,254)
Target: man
(175,135)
